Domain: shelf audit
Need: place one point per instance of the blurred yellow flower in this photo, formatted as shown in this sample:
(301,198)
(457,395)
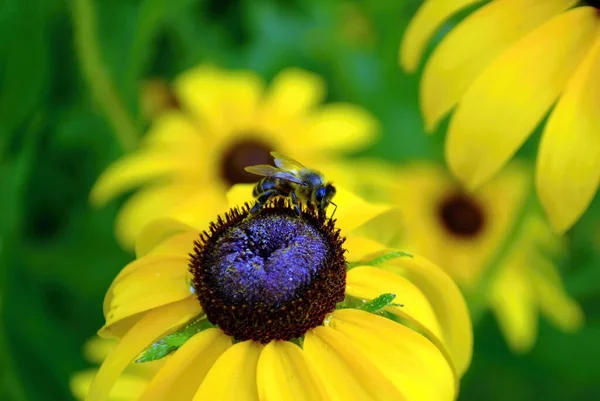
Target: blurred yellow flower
(491,242)
(284,333)
(225,121)
(504,67)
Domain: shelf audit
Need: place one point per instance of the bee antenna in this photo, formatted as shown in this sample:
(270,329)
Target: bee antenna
(333,209)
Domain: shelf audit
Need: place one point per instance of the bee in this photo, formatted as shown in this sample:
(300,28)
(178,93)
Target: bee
(292,180)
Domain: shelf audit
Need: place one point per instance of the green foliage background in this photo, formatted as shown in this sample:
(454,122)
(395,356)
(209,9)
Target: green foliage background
(58,256)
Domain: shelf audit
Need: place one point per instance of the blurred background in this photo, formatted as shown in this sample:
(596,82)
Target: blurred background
(63,62)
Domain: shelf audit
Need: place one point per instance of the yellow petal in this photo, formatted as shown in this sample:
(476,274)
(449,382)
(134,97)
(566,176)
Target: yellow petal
(149,287)
(472,45)
(359,247)
(154,324)
(508,100)
(176,266)
(184,371)
(179,244)
(554,302)
(190,203)
(429,18)
(370,282)
(353,211)
(134,170)
(284,374)
(568,167)
(343,127)
(127,387)
(240,194)
(157,232)
(447,302)
(410,361)
(514,305)
(344,370)
(174,127)
(292,93)
(233,376)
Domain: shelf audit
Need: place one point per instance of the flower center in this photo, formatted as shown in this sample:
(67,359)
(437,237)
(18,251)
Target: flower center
(461,215)
(244,153)
(594,3)
(270,276)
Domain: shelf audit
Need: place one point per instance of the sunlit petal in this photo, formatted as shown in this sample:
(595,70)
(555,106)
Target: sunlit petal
(568,168)
(508,100)
(472,45)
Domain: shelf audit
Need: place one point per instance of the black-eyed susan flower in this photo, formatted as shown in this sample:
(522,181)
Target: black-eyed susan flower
(494,242)
(275,306)
(503,68)
(223,122)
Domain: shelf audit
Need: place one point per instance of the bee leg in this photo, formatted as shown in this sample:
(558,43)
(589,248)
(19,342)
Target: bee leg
(262,199)
(295,203)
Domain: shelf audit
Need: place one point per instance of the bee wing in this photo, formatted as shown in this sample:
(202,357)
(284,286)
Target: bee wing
(270,171)
(287,163)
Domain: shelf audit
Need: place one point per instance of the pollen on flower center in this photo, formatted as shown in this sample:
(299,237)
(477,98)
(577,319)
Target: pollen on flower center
(272,276)
(240,154)
(461,215)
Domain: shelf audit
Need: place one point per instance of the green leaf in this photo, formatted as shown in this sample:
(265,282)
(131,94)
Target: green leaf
(379,259)
(377,304)
(173,341)
(373,306)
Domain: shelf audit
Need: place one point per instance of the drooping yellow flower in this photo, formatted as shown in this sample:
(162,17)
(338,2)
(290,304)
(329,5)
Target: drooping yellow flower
(267,307)
(491,242)
(225,121)
(504,67)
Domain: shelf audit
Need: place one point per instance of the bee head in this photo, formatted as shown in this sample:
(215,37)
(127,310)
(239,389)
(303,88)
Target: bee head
(324,195)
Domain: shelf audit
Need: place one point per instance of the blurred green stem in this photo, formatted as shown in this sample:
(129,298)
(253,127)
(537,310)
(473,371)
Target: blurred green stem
(86,45)
(478,300)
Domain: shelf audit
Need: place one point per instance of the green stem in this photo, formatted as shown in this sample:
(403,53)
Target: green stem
(478,301)
(102,89)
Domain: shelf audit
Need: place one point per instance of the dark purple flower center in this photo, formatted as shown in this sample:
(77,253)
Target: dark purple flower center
(461,215)
(241,154)
(270,276)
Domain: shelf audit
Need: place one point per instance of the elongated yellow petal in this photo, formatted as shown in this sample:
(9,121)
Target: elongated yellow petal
(447,302)
(353,211)
(179,244)
(157,232)
(149,287)
(472,45)
(284,374)
(292,93)
(342,127)
(410,361)
(233,376)
(148,264)
(369,282)
(182,374)
(513,302)
(508,100)
(360,247)
(148,329)
(174,127)
(568,167)
(430,17)
(553,301)
(240,194)
(127,387)
(134,170)
(344,370)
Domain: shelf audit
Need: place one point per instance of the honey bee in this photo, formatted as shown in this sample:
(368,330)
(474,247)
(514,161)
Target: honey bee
(292,180)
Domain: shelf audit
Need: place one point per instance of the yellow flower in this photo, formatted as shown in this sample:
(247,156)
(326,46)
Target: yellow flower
(504,67)
(267,307)
(492,242)
(226,121)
